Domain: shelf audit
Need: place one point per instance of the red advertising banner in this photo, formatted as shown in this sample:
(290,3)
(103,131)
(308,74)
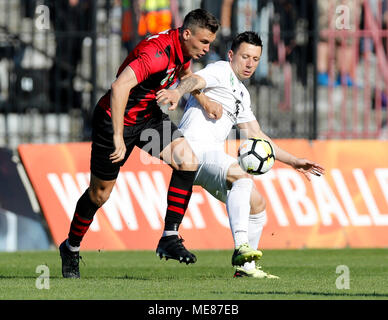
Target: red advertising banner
(346,207)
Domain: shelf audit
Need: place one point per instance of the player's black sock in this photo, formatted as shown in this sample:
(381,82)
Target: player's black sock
(178,197)
(83,217)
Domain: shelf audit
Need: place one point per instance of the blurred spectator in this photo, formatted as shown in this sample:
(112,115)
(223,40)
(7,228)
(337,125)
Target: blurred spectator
(235,16)
(226,18)
(155,17)
(385,22)
(265,14)
(245,15)
(226,33)
(177,20)
(379,9)
(287,16)
(28,8)
(380,14)
(141,18)
(304,38)
(257,16)
(344,49)
(129,23)
(72,21)
(217,51)
(188,5)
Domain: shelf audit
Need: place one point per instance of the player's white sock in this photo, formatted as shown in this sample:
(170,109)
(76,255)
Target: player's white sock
(255,228)
(238,207)
(71,248)
(167,233)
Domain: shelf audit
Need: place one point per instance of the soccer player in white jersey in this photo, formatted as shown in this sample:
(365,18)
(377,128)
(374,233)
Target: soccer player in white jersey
(219,173)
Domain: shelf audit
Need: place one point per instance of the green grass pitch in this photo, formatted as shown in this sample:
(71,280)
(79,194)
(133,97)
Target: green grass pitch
(140,275)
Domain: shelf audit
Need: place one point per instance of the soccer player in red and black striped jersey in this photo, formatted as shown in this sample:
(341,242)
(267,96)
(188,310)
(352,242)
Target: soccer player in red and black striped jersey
(124,118)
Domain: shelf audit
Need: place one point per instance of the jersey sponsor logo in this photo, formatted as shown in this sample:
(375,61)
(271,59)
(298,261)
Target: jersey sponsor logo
(169,77)
(231,80)
(231,116)
(158,54)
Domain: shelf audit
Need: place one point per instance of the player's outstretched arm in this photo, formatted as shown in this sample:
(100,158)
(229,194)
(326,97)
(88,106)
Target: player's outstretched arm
(306,166)
(252,130)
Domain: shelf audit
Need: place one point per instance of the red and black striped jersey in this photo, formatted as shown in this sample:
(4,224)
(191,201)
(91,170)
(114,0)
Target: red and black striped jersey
(157,62)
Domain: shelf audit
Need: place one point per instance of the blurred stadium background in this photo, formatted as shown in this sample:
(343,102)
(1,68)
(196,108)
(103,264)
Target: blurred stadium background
(52,76)
(323,76)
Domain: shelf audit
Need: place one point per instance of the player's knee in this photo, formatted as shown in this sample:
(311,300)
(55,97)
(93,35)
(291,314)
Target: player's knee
(236,173)
(99,196)
(183,157)
(188,163)
(188,166)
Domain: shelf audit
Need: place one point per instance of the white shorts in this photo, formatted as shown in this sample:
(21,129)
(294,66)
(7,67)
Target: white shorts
(212,172)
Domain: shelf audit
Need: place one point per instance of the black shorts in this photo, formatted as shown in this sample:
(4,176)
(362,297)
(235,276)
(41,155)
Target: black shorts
(152,136)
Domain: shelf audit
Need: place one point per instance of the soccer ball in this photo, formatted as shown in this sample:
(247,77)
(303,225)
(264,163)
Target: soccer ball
(256,156)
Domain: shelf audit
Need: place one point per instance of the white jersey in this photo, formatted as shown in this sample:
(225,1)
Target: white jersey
(222,86)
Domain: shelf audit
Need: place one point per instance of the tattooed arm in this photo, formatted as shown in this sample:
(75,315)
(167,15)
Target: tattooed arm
(172,96)
(193,84)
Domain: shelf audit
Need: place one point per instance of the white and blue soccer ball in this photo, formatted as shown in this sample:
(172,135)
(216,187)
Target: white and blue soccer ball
(256,156)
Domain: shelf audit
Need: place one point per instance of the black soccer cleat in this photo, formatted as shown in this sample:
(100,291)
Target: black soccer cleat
(70,262)
(171,247)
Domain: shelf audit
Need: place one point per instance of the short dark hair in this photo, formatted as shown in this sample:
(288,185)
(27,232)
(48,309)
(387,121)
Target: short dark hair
(202,19)
(248,37)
